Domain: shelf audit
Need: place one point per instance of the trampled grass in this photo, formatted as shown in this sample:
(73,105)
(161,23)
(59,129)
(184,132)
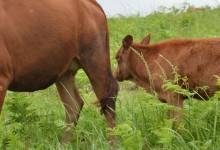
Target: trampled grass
(36,120)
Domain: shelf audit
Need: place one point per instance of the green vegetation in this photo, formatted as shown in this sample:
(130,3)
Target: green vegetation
(36,120)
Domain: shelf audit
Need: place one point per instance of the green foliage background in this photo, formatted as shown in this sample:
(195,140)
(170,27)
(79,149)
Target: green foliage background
(36,120)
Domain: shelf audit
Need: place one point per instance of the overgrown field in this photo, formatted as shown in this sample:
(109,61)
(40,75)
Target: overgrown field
(36,120)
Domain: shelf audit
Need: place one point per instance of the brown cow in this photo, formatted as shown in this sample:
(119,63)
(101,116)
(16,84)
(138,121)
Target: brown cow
(198,59)
(194,9)
(46,41)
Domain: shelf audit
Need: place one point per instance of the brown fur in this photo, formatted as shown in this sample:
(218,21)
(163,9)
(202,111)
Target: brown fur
(45,42)
(198,59)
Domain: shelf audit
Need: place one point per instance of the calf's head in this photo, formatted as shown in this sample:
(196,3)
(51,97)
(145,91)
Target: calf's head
(123,71)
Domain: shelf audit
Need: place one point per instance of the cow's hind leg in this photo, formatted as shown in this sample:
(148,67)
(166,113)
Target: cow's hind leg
(4,84)
(6,72)
(2,96)
(72,102)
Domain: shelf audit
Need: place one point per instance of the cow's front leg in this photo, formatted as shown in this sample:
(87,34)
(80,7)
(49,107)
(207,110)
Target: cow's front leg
(72,102)
(104,85)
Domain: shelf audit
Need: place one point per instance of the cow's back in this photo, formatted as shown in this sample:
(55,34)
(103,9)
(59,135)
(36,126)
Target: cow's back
(43,37)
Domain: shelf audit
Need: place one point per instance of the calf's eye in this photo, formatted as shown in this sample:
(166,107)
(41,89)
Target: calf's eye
(118,58)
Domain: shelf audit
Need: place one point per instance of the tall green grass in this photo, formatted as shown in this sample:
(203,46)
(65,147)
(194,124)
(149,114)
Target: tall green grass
(36,120)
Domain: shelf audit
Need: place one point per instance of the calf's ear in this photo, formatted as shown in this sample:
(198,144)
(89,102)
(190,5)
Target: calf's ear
(127,41)
(146,40)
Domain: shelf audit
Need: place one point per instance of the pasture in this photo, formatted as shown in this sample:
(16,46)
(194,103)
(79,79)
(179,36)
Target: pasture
(36,120)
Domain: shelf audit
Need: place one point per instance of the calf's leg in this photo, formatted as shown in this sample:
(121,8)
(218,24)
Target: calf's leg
(173,99)
(72,102)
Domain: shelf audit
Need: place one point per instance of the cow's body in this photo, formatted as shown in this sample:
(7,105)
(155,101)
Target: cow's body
(45,42)
(198,59)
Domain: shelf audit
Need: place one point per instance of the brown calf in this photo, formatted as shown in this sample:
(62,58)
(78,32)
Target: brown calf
(198,59)
(47,41)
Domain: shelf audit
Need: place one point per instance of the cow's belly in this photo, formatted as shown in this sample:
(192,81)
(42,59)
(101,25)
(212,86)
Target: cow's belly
(37,72)
(36,78)
(29,85)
